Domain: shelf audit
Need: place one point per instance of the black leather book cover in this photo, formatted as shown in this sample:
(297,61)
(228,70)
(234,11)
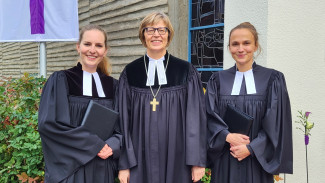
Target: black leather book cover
(100,120)
(237,120)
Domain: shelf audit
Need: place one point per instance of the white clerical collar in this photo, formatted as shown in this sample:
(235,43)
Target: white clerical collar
(159,65)
(87,84)
(249,81)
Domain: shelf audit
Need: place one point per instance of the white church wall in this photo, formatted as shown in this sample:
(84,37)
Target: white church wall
(296,46)
(293,41)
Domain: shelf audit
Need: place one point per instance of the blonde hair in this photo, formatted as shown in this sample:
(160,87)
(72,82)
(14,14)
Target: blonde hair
(104,66)
(154,18)
(251,28)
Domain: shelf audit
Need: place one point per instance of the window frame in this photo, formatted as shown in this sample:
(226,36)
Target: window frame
(190,29)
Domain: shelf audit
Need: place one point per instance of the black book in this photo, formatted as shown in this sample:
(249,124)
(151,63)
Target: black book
(237,120)
(100,120)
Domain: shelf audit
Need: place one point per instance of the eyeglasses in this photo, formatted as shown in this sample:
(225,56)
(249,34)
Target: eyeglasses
(152,30)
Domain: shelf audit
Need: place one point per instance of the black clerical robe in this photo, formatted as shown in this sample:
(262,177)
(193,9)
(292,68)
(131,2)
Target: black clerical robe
(271,132)
(70,150)
(161,146)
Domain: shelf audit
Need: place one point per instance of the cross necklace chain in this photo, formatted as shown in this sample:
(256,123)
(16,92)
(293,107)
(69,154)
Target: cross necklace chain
(154,102)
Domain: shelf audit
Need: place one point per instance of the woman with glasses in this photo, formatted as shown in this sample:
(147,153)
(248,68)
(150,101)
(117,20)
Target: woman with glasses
(162,109)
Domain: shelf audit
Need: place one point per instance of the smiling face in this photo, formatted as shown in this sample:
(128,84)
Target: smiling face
(242,46)
(92,49)
(156,43)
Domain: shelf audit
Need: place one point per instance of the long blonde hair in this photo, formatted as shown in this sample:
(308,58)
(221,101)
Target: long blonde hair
(104,66)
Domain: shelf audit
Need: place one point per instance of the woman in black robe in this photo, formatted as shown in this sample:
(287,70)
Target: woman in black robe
(163,115)
(261,93)
(72,154)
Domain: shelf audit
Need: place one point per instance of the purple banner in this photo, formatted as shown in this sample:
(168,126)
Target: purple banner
(37,16)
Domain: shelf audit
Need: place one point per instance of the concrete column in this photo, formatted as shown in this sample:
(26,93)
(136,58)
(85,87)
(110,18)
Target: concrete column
(178,14)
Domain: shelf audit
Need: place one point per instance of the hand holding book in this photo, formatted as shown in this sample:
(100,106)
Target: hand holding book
(235,139)
(105,152)
(239,124)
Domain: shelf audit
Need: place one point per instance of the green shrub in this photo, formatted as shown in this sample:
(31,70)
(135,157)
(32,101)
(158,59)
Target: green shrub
(207,177)
(21,157)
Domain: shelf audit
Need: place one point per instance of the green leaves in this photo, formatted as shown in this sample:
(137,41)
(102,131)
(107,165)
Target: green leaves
(304,122)
(20,145)
(207,176)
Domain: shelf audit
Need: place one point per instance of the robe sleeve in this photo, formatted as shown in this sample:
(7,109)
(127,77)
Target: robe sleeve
(273,145)
(196,125)
(115,142)
(127,158)
(65,147)
(218,129)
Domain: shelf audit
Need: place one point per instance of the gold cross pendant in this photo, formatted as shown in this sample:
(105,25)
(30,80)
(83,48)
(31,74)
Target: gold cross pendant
(154,103)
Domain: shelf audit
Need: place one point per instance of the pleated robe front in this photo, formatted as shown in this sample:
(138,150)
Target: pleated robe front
(70,150)
(162,146)
(271,131)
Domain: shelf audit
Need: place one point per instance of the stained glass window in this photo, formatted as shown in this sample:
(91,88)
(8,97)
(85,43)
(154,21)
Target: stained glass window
(207,12)
(206,27)
(207,47)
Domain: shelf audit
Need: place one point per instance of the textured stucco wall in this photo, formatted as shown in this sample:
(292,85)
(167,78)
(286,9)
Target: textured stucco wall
(296,46)
(253,11)
(293,41)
